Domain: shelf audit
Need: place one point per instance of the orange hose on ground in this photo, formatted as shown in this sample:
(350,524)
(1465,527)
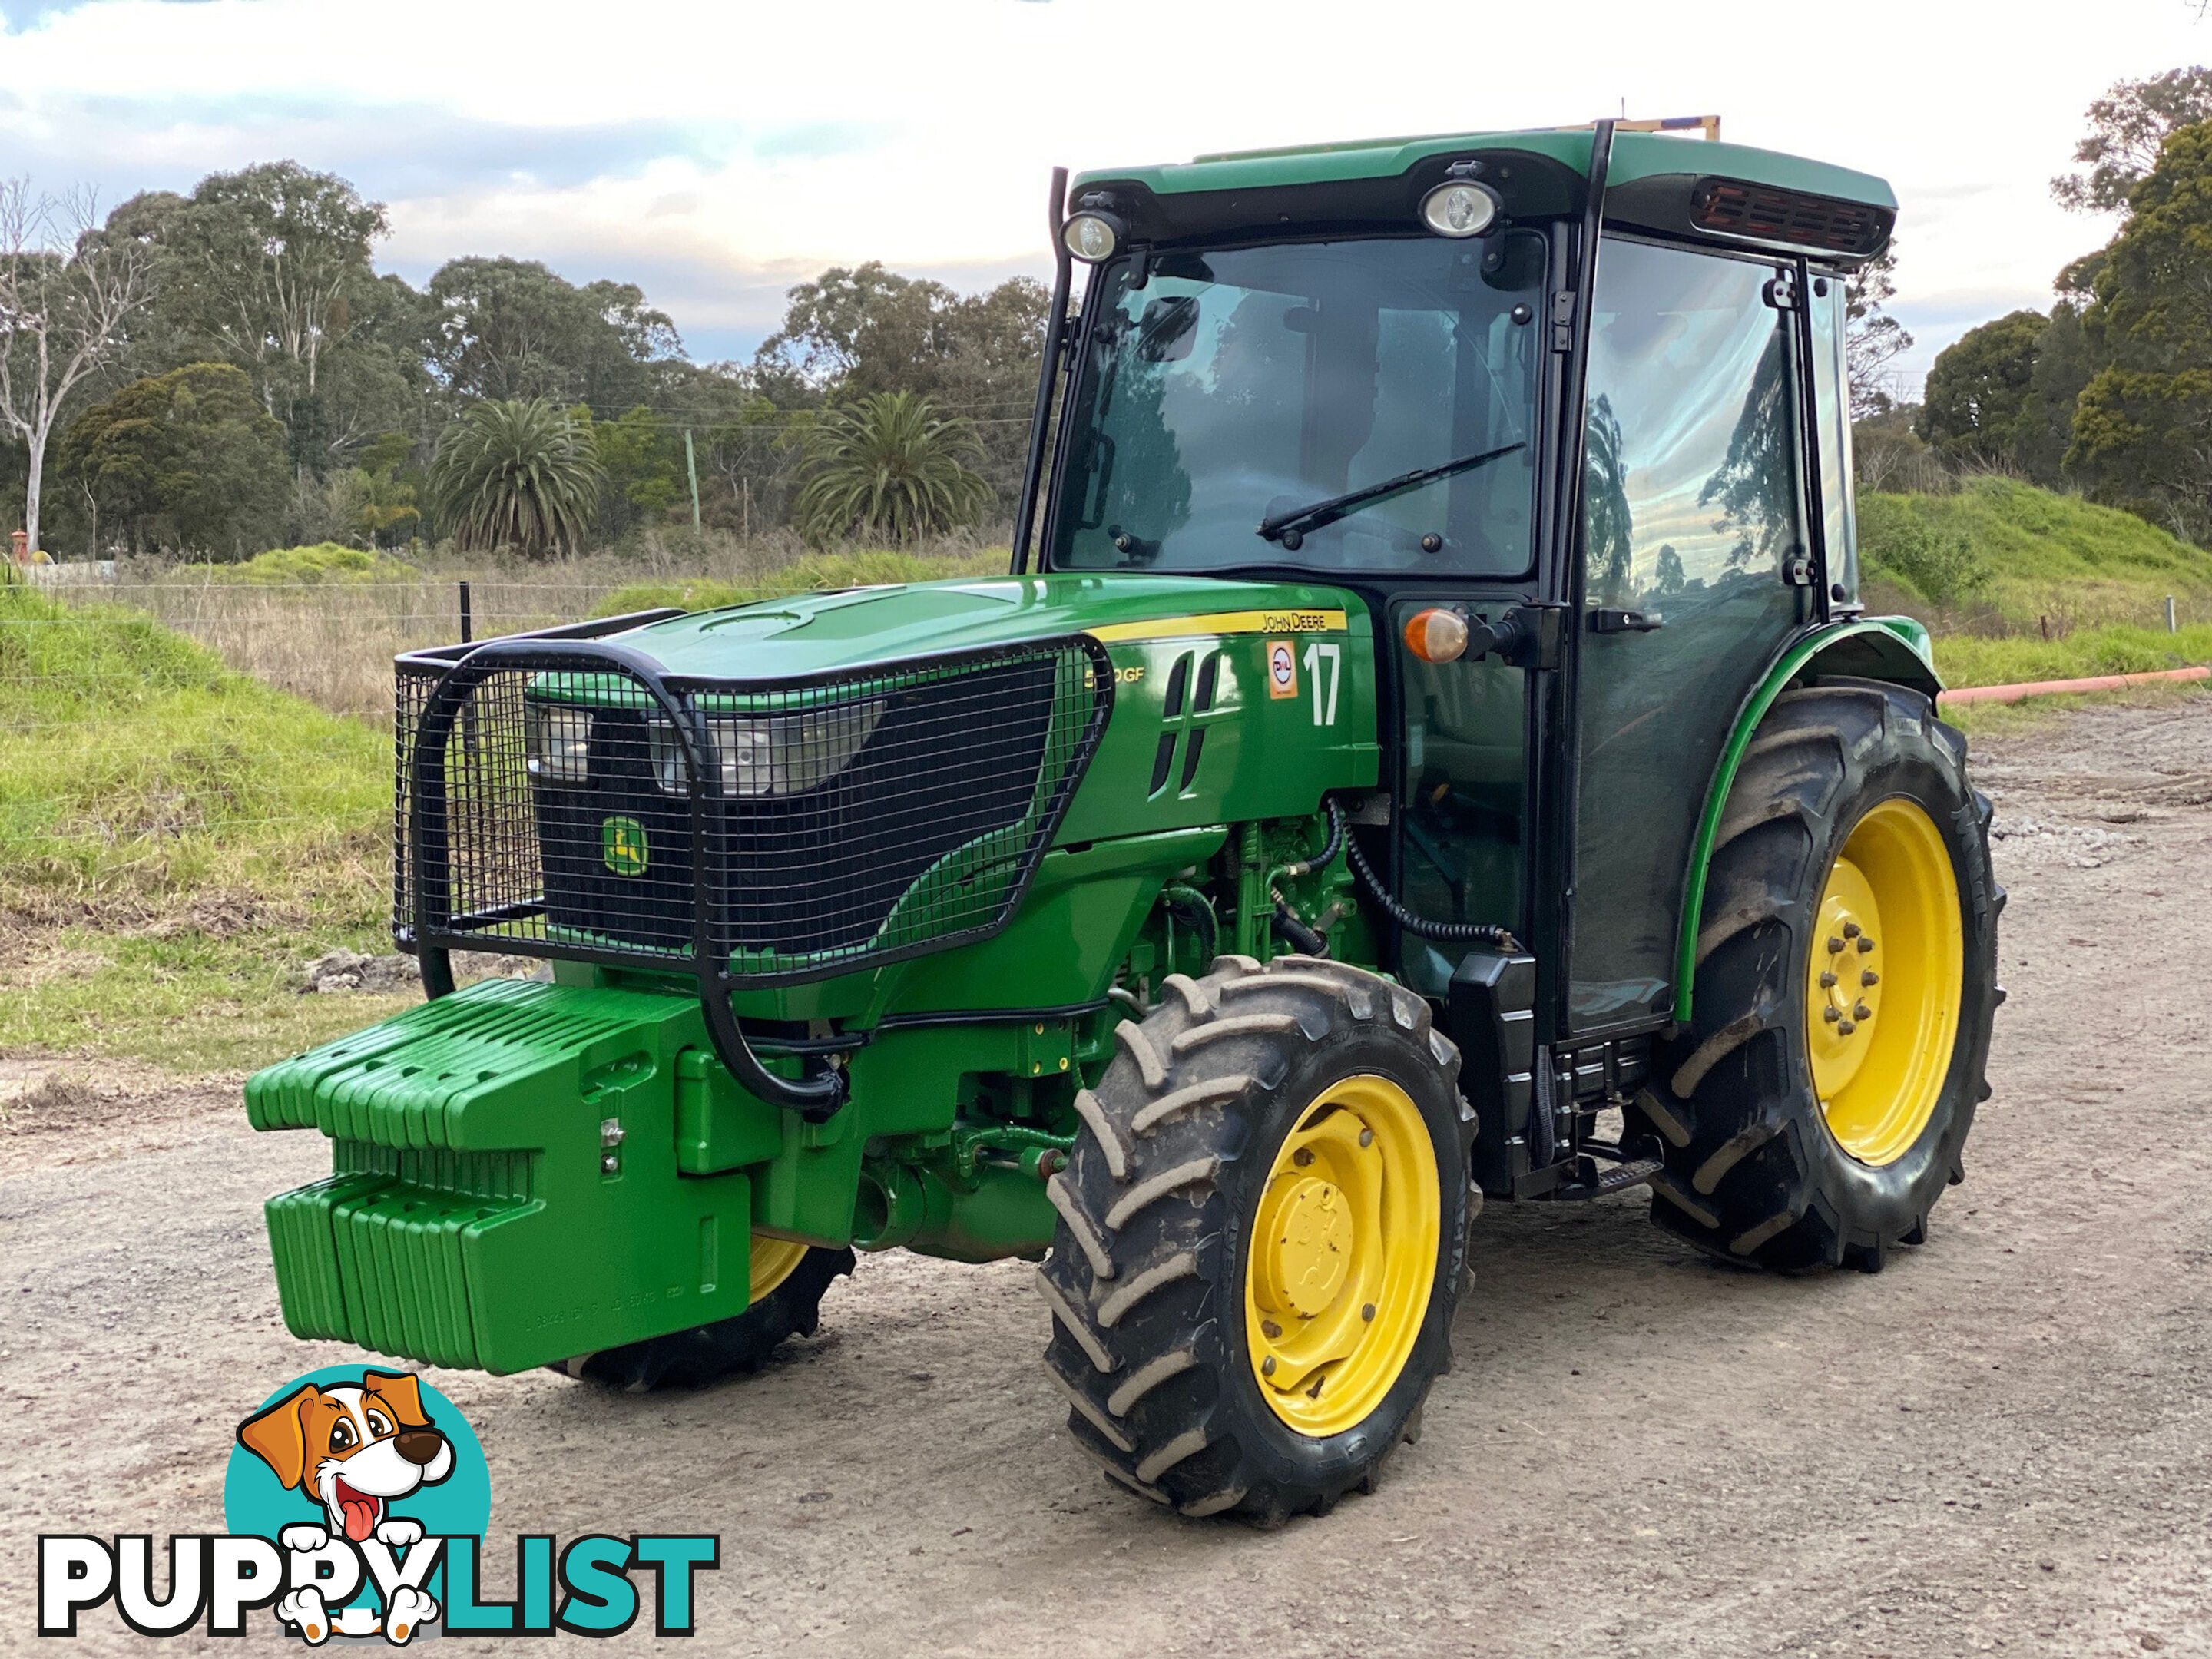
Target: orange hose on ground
(2047,688)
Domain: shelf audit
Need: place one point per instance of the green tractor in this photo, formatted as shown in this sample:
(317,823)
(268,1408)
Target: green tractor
(1428,748)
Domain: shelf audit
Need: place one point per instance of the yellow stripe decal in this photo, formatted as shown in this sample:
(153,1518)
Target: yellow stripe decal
(1223,622)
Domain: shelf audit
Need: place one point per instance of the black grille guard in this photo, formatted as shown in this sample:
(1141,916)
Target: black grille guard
(425,919)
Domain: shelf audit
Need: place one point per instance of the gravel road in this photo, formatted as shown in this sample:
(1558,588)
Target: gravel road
(1998,1445)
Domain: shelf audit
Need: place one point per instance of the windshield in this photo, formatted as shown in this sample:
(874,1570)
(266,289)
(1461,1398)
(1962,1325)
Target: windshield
(1232,387)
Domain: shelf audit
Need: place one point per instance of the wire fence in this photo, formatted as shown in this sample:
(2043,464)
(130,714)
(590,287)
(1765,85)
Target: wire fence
(102,760)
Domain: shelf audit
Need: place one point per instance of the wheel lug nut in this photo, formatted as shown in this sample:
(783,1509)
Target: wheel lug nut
(1368,1312)
(1851,930)
(1869,977)
(1303,1157)
(1267,1366)
(1835,945)
(1865,945)
(1846,1028)
(1826,980)
(1270,1329)
(1861,1012)
(1367,1137)
(1830,1015)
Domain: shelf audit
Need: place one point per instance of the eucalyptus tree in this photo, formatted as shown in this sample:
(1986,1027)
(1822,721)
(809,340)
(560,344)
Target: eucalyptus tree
(65,297)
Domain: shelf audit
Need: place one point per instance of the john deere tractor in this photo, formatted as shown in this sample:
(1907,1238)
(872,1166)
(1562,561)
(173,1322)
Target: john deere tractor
(1428,748)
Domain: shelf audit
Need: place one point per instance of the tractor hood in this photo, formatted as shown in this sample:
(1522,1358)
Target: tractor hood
(813,634)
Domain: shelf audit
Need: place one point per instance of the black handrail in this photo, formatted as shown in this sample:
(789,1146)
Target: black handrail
(1055,334)
(815,1096)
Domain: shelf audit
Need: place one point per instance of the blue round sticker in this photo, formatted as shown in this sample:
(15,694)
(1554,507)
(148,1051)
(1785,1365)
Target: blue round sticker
(372,1458)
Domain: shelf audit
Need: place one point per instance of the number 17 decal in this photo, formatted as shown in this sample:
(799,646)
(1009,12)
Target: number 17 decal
(1318,657)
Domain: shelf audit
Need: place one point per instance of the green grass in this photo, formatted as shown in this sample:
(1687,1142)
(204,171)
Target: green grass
(1971,659)
(176,842)
(2006,553)
(324,562)
(817,573)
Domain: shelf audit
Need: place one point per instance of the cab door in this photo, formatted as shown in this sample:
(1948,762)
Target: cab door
(1694,568)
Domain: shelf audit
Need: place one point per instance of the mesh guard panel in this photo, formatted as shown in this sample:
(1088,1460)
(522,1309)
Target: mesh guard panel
(573,802)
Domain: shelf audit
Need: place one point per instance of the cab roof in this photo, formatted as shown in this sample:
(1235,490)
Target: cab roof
(1657,180)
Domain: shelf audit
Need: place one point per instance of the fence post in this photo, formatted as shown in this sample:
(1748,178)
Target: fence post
(468,621)
(2171,626)
(691,466)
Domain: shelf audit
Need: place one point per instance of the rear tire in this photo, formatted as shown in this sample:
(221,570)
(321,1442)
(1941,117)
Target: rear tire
(1758,1169)
(736,1346)
(1274,1163)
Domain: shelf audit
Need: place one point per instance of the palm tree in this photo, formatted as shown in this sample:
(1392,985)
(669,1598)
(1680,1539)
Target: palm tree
(887,467)
(516,472)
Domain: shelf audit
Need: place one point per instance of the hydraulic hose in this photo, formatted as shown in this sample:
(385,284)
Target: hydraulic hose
(1284,922)
(1461,932)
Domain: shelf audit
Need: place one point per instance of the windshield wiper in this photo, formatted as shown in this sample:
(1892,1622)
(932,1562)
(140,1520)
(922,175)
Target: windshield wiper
(1289,528)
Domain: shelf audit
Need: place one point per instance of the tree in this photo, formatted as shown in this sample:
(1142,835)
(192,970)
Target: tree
(65,299)
(887,466)
(1609,522)
(516,473)
(511,328)
(1980,389)
(269,268)
(866,329)
(644,461)
(2127,127)
(2143,427)
(189,460)
(1872,339)
(1888,454)
(1754,486)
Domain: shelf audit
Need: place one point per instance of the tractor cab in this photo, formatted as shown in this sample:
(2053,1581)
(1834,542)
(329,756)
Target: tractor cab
(1437,373)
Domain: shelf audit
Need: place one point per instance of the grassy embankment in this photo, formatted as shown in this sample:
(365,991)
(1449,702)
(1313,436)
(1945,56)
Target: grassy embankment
(176,841)
(1993,566)
(179,839)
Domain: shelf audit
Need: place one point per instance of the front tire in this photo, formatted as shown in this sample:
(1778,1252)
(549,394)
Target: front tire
(789,1280)
(1820,1101)
(1262,1234)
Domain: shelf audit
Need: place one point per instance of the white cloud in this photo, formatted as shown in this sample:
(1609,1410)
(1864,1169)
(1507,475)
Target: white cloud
(716,152)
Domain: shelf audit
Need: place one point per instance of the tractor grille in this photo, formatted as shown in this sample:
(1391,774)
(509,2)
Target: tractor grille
(546,805)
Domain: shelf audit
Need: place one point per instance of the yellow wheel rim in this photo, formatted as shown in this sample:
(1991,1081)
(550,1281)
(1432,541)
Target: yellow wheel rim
(774,1261)
(1343,1256)
(1886,970)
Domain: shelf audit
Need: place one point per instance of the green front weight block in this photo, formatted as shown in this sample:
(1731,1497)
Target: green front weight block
(506,1190)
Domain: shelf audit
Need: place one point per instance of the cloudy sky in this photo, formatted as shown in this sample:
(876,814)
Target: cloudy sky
(715,153)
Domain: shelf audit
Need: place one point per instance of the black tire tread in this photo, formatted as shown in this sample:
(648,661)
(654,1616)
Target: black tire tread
(1174,1104)
(1744,1178)
(738,1345)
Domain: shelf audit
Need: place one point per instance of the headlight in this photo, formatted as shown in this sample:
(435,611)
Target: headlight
(1091,237)
(557,744)
(780,755)
(1459,209)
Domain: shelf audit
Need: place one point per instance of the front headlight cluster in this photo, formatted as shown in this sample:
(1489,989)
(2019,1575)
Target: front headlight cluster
(775,754)
(557,744)
(778,755)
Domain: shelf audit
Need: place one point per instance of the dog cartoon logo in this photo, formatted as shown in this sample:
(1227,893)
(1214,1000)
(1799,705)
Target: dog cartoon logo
(351,1443)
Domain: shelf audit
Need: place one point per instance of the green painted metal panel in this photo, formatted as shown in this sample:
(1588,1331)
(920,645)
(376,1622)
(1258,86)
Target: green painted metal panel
(1636,156)
(1807,653)
(860,628)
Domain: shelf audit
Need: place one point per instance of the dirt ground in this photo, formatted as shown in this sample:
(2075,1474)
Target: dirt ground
(2001,1443)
